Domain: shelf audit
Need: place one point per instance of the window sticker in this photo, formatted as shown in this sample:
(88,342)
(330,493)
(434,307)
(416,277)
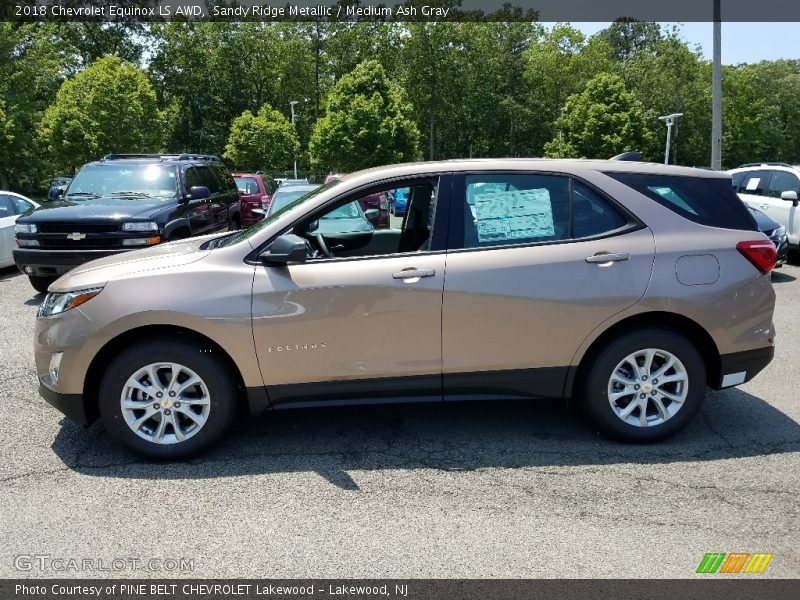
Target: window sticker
(516,214)
(752,184)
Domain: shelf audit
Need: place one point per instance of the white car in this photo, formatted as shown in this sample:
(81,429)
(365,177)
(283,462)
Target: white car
(772,188)
(11,207)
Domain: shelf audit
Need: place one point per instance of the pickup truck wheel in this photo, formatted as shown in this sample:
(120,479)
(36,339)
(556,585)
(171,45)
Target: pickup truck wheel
(645,386)
(40,284)
(166,399)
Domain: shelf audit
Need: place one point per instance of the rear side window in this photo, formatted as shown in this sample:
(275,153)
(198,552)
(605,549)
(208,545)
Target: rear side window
(755,183)
(708,201)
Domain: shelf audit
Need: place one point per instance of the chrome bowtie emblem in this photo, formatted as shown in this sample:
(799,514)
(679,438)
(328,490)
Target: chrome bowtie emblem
(76,236)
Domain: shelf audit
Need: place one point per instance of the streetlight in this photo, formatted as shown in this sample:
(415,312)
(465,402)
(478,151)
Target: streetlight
(291,106)
(670,121)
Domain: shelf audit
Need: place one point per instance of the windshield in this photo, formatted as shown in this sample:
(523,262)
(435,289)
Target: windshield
(132,180)
(247,185)
(285,197)
(271,218)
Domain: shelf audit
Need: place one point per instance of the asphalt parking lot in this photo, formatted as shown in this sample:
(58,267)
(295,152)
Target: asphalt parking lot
(464,490)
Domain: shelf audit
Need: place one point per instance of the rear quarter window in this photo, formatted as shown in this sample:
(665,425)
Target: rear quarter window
(706,200)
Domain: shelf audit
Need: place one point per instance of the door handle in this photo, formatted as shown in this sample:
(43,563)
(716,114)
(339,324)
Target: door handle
(606,258)
(413,273)
(764,206)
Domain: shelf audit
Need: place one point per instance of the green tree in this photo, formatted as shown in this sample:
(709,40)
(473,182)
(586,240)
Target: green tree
(368,123)
(603,120)
(263,141)
(108,107)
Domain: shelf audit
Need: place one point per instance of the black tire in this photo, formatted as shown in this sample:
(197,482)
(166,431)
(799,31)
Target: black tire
(40,284)
(597,376)
(218,380)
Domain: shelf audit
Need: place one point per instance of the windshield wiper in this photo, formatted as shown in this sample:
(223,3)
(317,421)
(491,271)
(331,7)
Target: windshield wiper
(84,194)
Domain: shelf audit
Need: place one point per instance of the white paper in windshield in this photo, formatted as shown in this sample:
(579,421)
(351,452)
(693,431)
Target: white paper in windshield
(514,214)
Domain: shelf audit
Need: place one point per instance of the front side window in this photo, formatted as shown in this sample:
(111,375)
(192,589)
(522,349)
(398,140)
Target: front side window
(783,181)
(208,179)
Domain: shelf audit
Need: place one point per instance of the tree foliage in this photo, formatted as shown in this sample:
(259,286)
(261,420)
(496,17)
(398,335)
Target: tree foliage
(263,141)
(603,120)
(108,107)
(367,123)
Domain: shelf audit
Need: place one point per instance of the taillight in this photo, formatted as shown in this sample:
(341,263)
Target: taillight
(760,253)
(265,200)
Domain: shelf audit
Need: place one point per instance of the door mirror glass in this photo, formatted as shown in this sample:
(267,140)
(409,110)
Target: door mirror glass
(259,212)
(789,195)
(372,213)
(288,248)
(199,192)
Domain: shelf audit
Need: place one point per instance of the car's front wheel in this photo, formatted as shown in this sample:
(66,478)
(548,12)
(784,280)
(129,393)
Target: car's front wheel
(40,284)
(645,385)
(166,399)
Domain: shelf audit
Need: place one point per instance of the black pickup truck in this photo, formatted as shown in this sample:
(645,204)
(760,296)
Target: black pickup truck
(124,202)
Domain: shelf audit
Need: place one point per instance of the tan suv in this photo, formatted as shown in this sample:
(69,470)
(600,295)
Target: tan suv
(630,287)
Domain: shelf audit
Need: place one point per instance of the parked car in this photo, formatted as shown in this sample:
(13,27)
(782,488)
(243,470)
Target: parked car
(255,191)
(11,207)
(773,188)
(630,287)
(57,187)
(775,232)
(398,202)
(288,194)
(294,182)
(124,202)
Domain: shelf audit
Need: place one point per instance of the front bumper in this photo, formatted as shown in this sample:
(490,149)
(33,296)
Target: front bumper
(70,405)
(741,367)
(51,263)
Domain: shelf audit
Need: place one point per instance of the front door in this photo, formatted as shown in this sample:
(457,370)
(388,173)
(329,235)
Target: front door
(361,320)
(539,261)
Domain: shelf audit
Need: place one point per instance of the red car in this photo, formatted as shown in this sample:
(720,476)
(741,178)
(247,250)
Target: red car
(380,202)
(255,191)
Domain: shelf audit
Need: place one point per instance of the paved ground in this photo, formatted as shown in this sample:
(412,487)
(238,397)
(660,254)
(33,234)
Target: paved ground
(473,490)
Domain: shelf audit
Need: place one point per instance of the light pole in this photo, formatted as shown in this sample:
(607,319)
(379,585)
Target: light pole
(716,91)
(670,121)
(291,106)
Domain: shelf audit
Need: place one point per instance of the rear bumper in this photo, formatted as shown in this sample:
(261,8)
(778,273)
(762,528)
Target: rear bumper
(741,367)
(70,405)
(48,263)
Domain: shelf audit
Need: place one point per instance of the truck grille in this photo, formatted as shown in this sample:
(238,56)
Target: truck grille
(78,227)
(93,243)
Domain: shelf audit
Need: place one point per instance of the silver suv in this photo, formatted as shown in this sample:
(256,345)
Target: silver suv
(630,287)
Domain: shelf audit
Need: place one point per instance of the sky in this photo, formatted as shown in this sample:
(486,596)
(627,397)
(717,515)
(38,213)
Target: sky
(741,42)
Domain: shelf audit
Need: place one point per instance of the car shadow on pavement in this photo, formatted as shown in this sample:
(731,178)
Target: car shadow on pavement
(443,436)
(781,277)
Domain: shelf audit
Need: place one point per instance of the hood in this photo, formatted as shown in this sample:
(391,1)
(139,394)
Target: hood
(98,272)
(107,207)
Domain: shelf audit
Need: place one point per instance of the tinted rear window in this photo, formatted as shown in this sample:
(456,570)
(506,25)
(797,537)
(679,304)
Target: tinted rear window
(708,201)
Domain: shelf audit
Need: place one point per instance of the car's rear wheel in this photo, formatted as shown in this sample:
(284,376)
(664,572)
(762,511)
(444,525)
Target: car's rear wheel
(167,399)
(40,284)
(645,385)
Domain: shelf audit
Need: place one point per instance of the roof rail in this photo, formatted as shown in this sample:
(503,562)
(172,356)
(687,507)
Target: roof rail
(208,157)
(764,164)
(121,156)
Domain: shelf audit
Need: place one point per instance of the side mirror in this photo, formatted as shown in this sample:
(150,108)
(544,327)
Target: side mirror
(259,212)
(313,226)
(372,213)
(790,195)
(199,192)
(286,249)
(60,193)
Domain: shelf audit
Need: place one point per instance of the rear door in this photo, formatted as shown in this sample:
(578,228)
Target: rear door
(536,262)
(754,189)
(8,216)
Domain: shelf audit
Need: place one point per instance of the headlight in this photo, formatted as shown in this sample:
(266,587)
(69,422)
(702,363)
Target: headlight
(140,226)
(56,303)
(25,228)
